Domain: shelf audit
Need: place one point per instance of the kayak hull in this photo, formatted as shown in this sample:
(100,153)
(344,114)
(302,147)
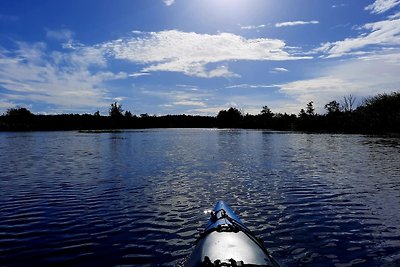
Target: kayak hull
(227,246)
(226,240)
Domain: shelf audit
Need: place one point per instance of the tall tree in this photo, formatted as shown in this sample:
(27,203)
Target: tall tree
(266,112)
(332,107)
(310,109)
(348,103)
(116,110)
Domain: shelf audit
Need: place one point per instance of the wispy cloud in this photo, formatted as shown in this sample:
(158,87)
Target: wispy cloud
(339,5)
(378,34)
(169,2)
(181,98)
(190,53)
(60,35)
(277,70)
(362,77)
(245,85)
(295,23)
(64,79)
(253,27)
(381,6)
(138,74)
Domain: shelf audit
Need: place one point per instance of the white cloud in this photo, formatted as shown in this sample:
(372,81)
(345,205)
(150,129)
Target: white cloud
(362,77)
(64,79)
(138,74)
(245,85)
(190,53)
(381,33)
(381,6)
(295,23)
(252,27)
(169,2)
(276,70)
(189,103)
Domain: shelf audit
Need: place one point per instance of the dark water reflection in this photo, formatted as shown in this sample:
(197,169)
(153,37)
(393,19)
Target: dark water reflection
(137,197)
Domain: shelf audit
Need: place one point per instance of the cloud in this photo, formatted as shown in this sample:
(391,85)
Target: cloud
(395,16)
(340,5)
(186,97)
(295,23)
(245,85)
(252,27)
(169,2)
(381,33)
(276,70)
(362,77)
(192,53)
(4,104)
(60,35)
(32,73)
(138,74)
(381,6)
(189,103)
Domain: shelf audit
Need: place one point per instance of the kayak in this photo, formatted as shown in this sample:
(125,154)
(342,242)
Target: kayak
(226,241)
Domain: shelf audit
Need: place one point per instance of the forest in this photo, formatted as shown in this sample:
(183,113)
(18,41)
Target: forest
(379,114)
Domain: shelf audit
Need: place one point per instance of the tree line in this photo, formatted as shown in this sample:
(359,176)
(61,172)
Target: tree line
(379,114)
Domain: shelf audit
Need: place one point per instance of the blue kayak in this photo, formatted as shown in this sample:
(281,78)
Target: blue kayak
(226,241)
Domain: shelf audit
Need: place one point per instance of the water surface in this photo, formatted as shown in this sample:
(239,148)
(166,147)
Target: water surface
(136,198)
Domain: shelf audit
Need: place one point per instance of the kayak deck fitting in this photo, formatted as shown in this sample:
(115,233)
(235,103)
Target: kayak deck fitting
(226,241)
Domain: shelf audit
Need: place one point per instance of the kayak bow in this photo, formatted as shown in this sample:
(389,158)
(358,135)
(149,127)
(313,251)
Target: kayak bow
(226,241)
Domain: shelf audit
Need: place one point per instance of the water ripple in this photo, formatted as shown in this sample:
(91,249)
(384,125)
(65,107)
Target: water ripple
(137,197)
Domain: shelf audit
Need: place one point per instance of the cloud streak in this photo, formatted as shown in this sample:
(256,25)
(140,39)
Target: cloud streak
(295,23)
(253,27)
(60,35)
(381,6)
(379,34)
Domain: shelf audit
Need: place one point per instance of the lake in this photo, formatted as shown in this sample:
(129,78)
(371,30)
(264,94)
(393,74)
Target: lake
(137,198)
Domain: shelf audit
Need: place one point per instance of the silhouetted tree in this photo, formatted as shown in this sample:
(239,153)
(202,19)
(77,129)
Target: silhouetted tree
(128,114)
(332,107)
(302,113)
(19,118)
(266,112)
(380,114)
(97,114)
(229,118)
(348,103)
(310,109)
(116,110)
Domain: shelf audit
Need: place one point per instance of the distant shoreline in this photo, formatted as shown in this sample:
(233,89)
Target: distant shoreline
(378,115)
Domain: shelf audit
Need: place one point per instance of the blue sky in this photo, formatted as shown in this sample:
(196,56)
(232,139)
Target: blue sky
(195,56)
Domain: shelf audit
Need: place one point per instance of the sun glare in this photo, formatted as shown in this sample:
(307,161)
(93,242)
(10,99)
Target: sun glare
(226,10)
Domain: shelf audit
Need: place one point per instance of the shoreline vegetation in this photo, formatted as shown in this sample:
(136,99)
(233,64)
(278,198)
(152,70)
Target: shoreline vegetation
(375,115)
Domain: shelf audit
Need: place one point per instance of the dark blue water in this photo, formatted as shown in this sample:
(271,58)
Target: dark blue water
(137,198)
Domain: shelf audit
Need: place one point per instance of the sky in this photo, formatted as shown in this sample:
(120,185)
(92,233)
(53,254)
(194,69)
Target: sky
(195,57)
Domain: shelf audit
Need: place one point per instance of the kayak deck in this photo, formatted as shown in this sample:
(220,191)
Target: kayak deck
(226,241)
